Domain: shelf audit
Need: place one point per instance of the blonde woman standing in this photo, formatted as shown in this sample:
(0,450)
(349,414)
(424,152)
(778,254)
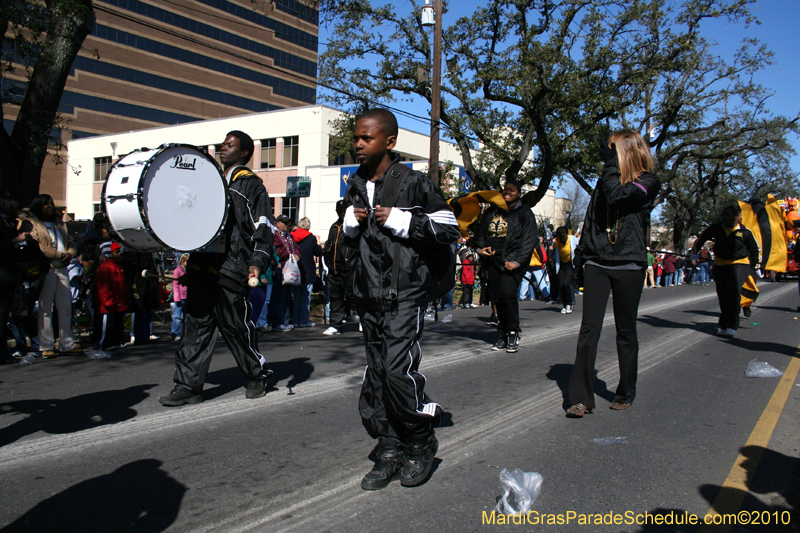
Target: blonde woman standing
(613,257)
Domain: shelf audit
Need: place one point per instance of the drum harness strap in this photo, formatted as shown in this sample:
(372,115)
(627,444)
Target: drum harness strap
(237,171)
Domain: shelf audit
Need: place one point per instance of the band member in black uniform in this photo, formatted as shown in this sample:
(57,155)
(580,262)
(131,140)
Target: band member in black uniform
(217,283)
(398,239)
(735,256)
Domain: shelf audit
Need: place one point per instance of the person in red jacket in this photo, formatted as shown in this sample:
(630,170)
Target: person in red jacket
(112,301)
(467,280)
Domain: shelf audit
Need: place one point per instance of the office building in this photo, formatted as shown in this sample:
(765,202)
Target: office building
(149,64)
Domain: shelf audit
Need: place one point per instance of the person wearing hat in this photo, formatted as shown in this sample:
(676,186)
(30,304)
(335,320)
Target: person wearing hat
(112,301)
(467,277)
(218,284)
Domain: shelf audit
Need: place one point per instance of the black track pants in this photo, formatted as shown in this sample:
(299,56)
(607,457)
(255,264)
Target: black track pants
(211,307)
(337,287)
(505,288)
(393,402)
(598,284)
(112,330)
(729,280)
(565,273)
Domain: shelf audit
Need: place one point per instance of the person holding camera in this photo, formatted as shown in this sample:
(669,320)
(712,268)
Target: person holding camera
(612,256)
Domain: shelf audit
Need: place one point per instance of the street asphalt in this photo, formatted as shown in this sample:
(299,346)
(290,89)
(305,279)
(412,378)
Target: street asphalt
(85,445)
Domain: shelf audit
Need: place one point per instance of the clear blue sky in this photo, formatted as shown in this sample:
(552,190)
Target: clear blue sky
(779,30)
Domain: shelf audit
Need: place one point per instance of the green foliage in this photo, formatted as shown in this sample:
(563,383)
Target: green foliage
(531,85)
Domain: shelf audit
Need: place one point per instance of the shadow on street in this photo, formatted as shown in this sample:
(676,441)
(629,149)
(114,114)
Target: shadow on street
(777,475)
(72,414)
(136,497)
(561,374)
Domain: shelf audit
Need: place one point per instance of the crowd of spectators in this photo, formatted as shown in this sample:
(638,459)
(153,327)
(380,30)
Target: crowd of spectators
(117,303)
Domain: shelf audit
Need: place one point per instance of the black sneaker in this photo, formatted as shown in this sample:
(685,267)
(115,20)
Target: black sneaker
(386,468)
(417,462)
(493,321)
(256,388)
(747,311)
(180,397)
(513,342)
(501,343)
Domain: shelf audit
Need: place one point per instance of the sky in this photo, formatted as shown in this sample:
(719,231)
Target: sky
(779,30)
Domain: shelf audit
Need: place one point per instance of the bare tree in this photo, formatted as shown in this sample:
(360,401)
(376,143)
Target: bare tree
(580,202)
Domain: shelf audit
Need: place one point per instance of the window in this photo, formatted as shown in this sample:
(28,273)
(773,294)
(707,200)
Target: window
(340,160)
(291,150)
(101,166)
(289,207)
(269,153)
(217,149)
(97,208)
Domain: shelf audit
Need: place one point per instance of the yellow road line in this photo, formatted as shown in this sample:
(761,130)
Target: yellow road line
(736,486)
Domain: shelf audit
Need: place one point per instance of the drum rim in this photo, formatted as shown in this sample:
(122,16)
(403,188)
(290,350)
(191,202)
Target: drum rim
(140,199)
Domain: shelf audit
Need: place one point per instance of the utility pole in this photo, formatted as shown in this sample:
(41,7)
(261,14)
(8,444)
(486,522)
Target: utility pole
(436,85)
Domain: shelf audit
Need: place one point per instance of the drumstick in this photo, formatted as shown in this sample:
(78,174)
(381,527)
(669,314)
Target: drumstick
(147,274)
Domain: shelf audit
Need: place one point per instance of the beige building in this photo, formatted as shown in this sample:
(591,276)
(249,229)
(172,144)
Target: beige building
(288,143)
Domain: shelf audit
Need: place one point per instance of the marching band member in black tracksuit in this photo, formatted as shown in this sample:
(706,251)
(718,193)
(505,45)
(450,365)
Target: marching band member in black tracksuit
(735,256)
(217,284)
(394,407)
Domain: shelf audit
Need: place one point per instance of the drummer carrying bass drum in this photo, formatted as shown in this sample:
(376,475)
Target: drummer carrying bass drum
(217,297)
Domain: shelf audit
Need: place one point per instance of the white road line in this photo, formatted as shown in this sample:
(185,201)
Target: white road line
(338,496)
(500,422)
(170,421)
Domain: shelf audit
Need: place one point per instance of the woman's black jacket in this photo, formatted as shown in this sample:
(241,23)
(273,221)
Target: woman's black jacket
(625,210)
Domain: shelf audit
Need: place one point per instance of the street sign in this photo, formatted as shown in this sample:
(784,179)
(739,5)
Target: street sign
(298,186)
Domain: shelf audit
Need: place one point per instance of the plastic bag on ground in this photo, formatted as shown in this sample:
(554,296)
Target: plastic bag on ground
(27,360)
(760,369)
(521,490)
(605,441)
(97,354)
(447,318)
(430,317)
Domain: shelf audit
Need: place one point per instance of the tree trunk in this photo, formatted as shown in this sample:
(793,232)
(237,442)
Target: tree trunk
(24,151)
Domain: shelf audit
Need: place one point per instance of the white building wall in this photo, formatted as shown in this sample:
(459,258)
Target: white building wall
(312,126)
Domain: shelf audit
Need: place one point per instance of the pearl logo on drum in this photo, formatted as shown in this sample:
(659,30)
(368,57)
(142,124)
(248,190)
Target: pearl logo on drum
(179,163)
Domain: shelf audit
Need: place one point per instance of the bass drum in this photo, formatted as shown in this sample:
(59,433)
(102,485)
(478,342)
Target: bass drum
(171,198)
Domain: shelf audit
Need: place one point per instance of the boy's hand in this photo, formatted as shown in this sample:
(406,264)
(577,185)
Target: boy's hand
(381,214)
(360,214)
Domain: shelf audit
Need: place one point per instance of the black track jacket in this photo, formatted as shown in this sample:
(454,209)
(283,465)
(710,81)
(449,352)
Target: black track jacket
(249,231)
(631,206)
(521,239)
(432,229)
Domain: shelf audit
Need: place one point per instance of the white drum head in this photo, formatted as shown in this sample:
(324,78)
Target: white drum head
(185,198)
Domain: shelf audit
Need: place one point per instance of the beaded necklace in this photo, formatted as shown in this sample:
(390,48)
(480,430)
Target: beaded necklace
(611,229)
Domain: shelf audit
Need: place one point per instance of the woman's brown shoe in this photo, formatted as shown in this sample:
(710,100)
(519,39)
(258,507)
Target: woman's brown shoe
(577,411)
(616,406)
